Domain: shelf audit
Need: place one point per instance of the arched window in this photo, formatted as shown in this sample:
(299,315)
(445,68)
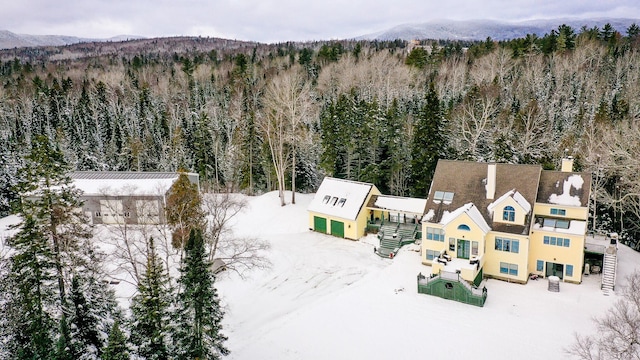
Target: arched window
(509,213)
(464,227)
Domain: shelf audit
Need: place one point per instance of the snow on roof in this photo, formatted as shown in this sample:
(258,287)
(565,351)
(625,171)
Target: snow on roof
(576,227)
(402,204)
(429,215)
(472,211)
(340,198)
(565,198)
(125,183)
(516,196)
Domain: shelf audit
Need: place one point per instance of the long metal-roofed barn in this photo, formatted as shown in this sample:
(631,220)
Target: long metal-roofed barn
(116,197)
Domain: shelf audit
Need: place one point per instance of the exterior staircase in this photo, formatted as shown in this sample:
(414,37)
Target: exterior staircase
(609,269)
(393,236)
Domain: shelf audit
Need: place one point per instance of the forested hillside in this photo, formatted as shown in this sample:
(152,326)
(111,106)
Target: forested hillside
(253,117)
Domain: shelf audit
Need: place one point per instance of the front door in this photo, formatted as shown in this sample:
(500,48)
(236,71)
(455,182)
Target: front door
(554,269)
(464,247)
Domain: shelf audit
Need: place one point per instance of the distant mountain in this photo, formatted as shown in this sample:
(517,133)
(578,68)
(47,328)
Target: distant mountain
(497,30)
(9,40)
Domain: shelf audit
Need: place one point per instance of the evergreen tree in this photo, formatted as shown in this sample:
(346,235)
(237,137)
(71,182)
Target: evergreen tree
(51,246)
(117,345)
(28,325)
(428,144)
(150,310)
(88,314)
(183,209)
(198,317)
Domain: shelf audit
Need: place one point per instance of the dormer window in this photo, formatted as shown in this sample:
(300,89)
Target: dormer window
(334,200)
(509,213)
(341,202)
(326,199)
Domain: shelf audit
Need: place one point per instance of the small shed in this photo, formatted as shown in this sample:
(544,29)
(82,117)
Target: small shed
(338,208)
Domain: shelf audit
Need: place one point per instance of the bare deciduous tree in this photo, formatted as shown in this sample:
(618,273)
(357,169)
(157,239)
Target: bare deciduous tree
(618,331)
(239,254)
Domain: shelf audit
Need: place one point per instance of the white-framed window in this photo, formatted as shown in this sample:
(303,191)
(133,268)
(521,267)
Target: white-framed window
(568,270)
(556,241)
(509,213)
(443,196)
(508,245)
(432,254)
(508,269)
(555,223)
(435,234)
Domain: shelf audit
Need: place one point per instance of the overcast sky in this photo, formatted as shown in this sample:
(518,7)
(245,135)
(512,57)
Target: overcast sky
(277,20)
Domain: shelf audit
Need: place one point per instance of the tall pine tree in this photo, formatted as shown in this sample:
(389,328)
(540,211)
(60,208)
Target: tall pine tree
(150,310)
(52,247)
(428,144)
(28,326)
(198,317)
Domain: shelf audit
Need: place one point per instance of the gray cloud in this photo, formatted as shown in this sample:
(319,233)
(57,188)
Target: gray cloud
(277,20)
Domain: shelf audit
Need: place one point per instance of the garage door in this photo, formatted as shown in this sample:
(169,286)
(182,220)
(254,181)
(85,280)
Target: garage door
(320,224)
(337,228)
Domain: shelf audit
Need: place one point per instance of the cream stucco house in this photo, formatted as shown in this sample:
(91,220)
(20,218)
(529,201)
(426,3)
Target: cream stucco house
(506,221)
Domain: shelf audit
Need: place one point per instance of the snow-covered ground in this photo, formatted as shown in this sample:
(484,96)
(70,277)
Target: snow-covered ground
(330,298)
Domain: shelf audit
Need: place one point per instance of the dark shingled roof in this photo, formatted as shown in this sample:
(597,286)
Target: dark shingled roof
(467,181)
(551,182)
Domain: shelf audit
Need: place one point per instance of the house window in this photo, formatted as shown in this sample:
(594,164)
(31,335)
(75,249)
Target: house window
(464,227)
(127,214)
(442,196)
(435,234)
(561,212)
(509,213)
(334,200)
(341,202)
(557,241)
(539,265)
(326,199)
(509,269)
(554,223)
(569,270)
(452,244)
(508,245)
(432,254)
(97,214)
(474,248)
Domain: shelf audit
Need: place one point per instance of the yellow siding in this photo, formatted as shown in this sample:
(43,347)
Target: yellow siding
(572,255)
(572,212)
(494,257)
(353,229)
(519,211)
(475,234)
